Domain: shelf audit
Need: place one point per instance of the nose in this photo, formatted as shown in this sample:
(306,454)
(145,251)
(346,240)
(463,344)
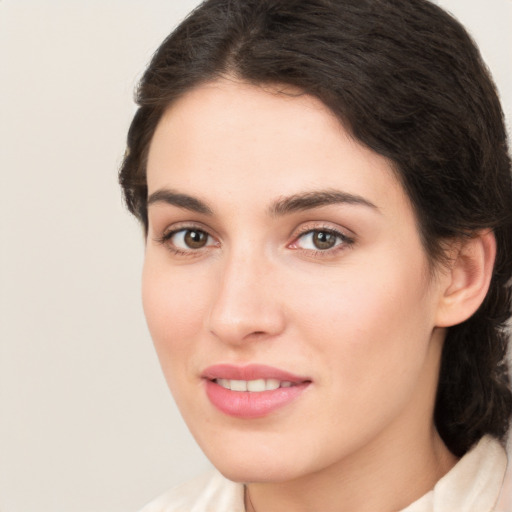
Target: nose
(247,302)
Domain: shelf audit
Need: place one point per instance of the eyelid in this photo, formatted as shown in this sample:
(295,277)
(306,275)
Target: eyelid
(307,227)
(171,230)
(347,240)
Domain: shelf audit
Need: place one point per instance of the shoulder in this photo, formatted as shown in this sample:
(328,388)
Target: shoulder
(210,492)
(473,484)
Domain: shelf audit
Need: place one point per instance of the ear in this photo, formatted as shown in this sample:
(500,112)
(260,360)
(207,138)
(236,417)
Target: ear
(465,284)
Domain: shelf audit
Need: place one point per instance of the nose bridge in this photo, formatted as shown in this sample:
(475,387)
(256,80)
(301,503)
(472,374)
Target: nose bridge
(246,303)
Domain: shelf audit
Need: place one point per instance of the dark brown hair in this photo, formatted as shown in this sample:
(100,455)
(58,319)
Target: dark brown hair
(407,81)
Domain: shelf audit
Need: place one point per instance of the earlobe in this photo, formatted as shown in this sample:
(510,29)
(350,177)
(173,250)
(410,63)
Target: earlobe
(467,281)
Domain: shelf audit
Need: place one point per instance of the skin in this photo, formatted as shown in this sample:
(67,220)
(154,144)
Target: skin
(363,319)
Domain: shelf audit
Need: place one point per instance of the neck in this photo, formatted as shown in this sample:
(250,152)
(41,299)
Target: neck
(384,477)
(364,484)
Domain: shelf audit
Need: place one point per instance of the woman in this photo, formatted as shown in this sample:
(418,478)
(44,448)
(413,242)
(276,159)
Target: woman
(326,195)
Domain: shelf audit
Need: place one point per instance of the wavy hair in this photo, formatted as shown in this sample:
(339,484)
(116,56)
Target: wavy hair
(405,78)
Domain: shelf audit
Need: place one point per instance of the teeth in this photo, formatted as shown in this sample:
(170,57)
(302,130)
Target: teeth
(253,385)
(225,383)
(256,385)
(238,385)
(272,383)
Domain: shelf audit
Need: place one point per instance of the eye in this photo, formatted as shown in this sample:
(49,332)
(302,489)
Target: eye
(320,240)
(188,239)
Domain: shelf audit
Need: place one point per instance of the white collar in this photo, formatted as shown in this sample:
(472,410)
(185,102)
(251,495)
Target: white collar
(472,485)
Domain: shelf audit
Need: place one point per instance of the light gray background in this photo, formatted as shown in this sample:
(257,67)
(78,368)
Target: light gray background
(86,421)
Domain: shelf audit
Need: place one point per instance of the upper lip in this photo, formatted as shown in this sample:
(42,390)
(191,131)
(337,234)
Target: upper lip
(250,372)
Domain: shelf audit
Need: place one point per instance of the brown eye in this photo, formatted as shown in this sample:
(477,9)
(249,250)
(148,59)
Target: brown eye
(323,239)
(195,239)
(188,239)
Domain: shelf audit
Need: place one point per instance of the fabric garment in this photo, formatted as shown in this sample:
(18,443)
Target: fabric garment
(472,485)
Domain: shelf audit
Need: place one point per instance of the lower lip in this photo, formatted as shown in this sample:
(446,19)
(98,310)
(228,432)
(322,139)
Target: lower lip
(249,405)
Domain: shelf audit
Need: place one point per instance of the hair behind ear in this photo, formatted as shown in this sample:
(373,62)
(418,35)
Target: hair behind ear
(474,395)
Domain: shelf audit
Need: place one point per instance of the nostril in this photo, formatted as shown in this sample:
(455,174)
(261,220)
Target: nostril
(256,335)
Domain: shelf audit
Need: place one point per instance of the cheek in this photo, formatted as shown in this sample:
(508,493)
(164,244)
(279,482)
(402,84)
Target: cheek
(375,324)
(174,308)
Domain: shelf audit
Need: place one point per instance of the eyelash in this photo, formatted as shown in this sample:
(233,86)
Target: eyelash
(343,241)
(167,236)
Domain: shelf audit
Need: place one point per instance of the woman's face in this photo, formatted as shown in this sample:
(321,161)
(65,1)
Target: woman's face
(285,285)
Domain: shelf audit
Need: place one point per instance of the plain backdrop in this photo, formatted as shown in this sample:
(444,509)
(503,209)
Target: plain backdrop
(86,421)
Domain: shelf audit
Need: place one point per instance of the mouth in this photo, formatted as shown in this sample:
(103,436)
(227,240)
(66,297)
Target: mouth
(252,391)
(255,386)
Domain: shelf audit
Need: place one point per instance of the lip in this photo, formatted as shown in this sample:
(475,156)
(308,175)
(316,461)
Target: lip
(247,404)
(250,372)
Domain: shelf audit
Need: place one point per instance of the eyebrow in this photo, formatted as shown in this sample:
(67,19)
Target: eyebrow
(284,206)
(316,199)
(180,200)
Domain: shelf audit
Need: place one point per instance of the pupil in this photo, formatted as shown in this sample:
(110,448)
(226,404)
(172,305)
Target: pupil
(324,240)
(195,239)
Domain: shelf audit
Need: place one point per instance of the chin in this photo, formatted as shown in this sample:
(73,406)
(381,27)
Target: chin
(262,464)
(256,473)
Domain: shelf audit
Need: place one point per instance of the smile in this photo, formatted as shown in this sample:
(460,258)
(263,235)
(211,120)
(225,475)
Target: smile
(254,386)
(252,391)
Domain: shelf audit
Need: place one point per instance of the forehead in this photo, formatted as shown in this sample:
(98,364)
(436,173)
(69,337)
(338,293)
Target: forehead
(229,139)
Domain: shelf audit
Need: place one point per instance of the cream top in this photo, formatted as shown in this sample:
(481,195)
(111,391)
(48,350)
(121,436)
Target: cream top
(472,485)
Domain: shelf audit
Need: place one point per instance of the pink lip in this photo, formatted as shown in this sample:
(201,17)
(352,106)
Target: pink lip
(246,404)
(250,372)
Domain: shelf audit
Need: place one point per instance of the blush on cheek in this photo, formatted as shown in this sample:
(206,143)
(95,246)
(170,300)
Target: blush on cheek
(174,318)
